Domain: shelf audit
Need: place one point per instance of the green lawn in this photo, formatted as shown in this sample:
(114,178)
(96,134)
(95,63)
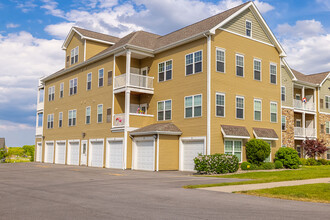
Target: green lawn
(311,192)
(312,172)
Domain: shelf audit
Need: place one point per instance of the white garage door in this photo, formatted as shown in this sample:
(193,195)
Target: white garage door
(114,157)
(144,155)
(96,149)
(73,153)
(190,150)
(39,152)
(49,152)
(60,152)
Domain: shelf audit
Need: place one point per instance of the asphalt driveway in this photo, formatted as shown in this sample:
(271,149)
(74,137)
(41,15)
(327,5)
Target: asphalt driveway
(47,191)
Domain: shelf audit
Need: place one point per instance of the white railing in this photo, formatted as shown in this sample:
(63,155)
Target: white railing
(119,120)
(310,106)
(298,131)
(136,80)
(298,103)
(38,130)
(304,132)
(301,105)
(310,132)
(40,106)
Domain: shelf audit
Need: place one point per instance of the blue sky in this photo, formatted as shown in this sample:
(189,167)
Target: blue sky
(32,32)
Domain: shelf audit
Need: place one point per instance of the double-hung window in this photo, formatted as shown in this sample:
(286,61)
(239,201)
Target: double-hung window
(194,63)
(101,76)
(283,94)
(61,90)
(273,112)
(327,127)
(99,113)
(50,121)
(164,110)
(73,86)
(239,107)
(41,95)
(257,109)
(327,102)
(40,118)
(257,69)
(72,117)
(88,115)
(328,154)
(89,81)
(220,60)
(220,104)
(273,73)
(51,93)
(248,28)
(193,106)
(60,119)
(74,55)
(165,71)
(283,123)
(239,65)
(234,148)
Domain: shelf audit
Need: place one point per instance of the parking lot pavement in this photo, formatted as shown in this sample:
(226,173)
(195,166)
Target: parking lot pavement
(47,191)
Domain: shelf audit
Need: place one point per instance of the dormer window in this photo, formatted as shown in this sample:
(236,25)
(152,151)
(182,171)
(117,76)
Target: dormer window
(248,27)
(74,55)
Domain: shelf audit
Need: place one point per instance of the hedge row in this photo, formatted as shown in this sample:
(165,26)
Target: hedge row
(216,164)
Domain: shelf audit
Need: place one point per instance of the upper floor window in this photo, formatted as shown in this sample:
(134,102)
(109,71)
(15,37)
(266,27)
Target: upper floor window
(273,112)
(248,27)
(51,93)
(257,109)
(220,60)
(283,123)
(194,63)
(40,118)
(220,105)
(239,107)
(101,76)
(41,95)
(283,94)
(74,55)
(60,119)
(327,127)
(257,69)
(164,110)
(61,90)
(273,73)
(109,115)
(193,106)
(73,86)
(72,117)
(109,78)
(88,115)
(327,102)
(50,121)
(99,113)
(89,81)
(165,71)
(239,65)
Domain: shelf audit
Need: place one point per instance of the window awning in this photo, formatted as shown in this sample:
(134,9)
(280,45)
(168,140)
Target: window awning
(159,128)
(231,131)
(265,134)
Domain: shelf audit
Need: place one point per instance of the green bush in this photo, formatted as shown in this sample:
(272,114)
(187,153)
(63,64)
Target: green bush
(288,156)
(3,154)
(18,151)
(245,166)
(29,151)
(322,161)
(278,164)
(328,162)
(257,151)
(311,162)
(302,161)
(268,166)
(216,164)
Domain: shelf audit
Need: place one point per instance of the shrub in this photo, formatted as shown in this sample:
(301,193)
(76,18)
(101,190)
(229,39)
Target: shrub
(278,164)
(245,166)
(288,156)
(29,151)
(328,162)
(216,164)
(302,161)
(322,161)
(268,166)
(311,162)
(257,151)
(314,148)
(18,151)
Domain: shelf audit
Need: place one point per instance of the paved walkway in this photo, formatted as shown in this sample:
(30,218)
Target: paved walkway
(230,189)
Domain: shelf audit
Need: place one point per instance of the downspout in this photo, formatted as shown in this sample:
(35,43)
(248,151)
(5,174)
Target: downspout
(157,152)
(208,89)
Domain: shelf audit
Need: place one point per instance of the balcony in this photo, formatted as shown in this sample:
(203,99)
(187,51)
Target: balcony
(136,82)
(304,132)
(310,106)
(119,120)
(38,131)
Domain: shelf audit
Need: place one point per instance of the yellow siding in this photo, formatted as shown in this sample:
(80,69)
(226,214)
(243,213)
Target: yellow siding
(75,41)
(93,48)
(288,84)
(168,152)
(324,90)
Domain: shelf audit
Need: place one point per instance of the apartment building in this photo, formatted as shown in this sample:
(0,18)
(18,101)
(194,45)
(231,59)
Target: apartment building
(151,102)
(305,108)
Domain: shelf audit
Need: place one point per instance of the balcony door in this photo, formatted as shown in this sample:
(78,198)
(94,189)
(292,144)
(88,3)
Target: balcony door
(144,72)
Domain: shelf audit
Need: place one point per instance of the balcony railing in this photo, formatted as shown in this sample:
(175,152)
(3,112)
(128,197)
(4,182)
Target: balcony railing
(119,120)
(310,132)
(304,132)
(136,80)
(298,131)
(38,130)
(305,106)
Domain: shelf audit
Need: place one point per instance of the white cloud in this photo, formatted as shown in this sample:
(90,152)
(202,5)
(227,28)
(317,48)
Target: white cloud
(59,30)
(51,7)
(263,7)
(12,25)
(16,134)
(304,28)
(325,4)
(26,6)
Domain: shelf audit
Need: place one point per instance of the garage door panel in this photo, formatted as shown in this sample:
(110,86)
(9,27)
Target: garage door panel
(49,153)
(115,154)
(97,149)
(145,155)
(60,153)
(39,152)
(191,149)
(73,154)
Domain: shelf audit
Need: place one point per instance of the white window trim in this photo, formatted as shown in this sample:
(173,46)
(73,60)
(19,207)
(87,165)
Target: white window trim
(42,119)
(87,81)
(270,73)
(98,77)
(50,116)
(60,113)
(325,102)
(164,62)
(284,122)
(270,105)
(295,125)
(51,90)
(231,139)
(326,127)
(185,64)
(74,55)
(72,118)
(193,106)
(90,115)
(224,66)
(97,114)
(224,106)
(255,109)
(246,28)
(259,60)
(284,94)
(239,55)
(238,96)
(73,86)
(164,109)
(62,83)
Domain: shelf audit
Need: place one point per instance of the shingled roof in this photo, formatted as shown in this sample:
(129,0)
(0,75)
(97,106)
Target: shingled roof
(235,131)
(265,133)
(158,128)
(96,35)
(316,78)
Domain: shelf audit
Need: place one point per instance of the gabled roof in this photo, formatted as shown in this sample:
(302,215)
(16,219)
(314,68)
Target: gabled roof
(317,78)
(90,35)
(158,128)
